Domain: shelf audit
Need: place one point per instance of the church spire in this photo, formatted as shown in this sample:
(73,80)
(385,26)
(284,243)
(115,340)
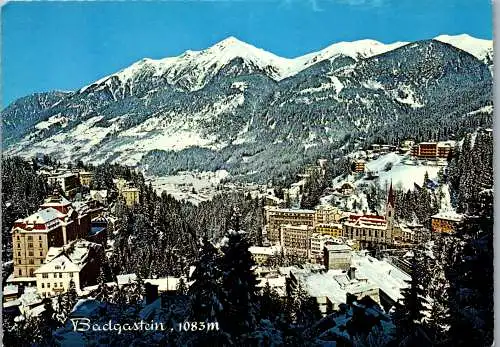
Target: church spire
(390,197)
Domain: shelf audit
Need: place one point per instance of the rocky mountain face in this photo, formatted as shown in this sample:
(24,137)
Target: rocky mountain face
(260,116)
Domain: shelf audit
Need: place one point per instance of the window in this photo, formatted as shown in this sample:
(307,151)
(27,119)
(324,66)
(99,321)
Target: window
(40,237)
(43,285)
(19,261)
(55,285)
(369,233)
(71,274)
(18,245)
(18,254)
(41,254)
(45,275)
(60,275)
(30,238)
(61,284)
(18,238)
(30,245)
(30,253)
(32,272)
(20,272)
(48,285)
(57,267)
(40,245)
(32,261)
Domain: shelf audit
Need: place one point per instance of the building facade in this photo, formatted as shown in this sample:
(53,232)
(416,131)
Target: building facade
(276,217)
(77,262)
(57,223)
(446,222)
(131,196)
(68,182)
(295,240)
(337,257)
(372,231)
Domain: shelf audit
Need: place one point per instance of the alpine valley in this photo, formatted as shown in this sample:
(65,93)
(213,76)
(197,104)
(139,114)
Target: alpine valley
(259,116)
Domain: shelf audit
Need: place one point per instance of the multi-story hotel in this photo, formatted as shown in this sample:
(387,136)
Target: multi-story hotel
(295,240)
(85,178)
(317,243)
(57,223)
(276,217)
(331,229)
(68,182)
(433,150)
(321,215)
(326,214)
(131,195)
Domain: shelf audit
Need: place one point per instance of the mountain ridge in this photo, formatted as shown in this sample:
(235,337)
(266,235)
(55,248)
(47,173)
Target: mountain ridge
(246,121)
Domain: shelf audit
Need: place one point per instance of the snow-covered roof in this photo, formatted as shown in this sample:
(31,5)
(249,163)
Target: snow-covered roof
(44,216)
(59,264)
(101,193)
(297,227)
(10,289)
(126,279)
(30,297)
(56,201)
(338,248)
(386,276)
(449,215)
(265,250)
(291,210)
(37,310)
(164,284)
(69,258)
(130,189)
(12,303)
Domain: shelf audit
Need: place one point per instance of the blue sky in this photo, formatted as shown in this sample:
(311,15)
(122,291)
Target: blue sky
(66,45)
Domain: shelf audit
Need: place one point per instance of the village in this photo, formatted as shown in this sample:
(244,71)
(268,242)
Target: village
(336,250)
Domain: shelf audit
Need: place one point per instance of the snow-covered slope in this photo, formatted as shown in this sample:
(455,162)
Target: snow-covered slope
(198,67)
(193,69)
(481,49)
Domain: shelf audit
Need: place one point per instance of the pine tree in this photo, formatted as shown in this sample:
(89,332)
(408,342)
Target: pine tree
(239,286)
(270,303)
(409,312)
(471,287)
(181,286)
(206,303)
(102,292)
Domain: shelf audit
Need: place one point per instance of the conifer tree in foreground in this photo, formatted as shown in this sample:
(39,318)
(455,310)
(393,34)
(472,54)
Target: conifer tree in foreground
(239,285)
(410,331)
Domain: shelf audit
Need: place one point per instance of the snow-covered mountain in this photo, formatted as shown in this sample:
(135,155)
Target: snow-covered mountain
(237,107)
(193,69)
(481,49)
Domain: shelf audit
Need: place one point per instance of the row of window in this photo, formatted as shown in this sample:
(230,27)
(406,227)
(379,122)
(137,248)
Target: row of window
(30,238)
(31,272)
(30,261)
(56,275)
(55,285)
(30,245)
(375,234)
(30,254)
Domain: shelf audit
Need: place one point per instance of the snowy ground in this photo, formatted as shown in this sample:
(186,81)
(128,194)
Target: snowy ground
(194,187)
(404,171)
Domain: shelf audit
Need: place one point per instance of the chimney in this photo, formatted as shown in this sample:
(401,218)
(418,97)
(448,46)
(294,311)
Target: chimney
(352,273)
(151,292)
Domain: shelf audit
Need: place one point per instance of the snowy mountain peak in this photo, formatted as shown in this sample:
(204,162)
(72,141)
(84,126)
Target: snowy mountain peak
(480,48)
(193,69)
